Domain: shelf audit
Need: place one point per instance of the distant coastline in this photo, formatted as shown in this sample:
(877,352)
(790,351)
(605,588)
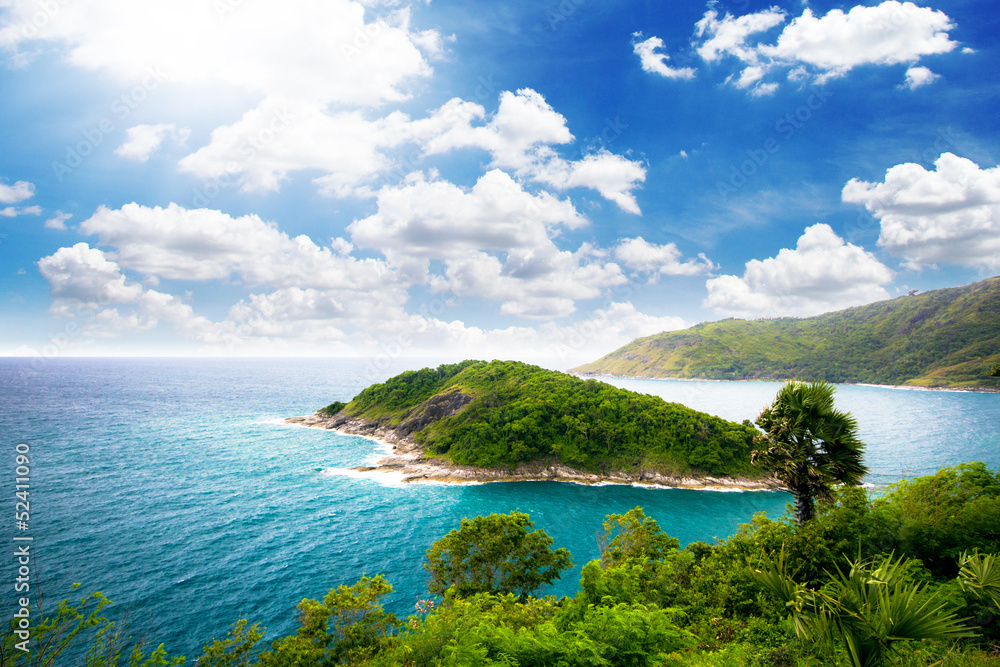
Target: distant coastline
(906,387)
(408,463)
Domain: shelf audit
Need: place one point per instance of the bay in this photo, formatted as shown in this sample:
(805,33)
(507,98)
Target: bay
(172,486)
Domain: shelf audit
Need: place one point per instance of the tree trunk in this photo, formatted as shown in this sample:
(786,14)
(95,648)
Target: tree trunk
(804,507)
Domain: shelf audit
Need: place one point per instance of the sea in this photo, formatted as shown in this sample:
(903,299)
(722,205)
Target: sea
(174,487)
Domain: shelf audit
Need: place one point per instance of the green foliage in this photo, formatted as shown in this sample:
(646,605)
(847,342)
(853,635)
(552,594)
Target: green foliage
(349,626)
(74,627)
(869,608)
(634,536)
(808,444)
(237,650)
(938,517)
(495,554)
(332,409)
(980,574)
(995,371)
(943,337)
(404,391)
(514,413)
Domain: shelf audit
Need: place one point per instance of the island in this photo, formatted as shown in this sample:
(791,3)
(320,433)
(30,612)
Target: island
(479,421)
(946,338)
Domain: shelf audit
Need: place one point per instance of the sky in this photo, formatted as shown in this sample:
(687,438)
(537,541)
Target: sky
(527,180)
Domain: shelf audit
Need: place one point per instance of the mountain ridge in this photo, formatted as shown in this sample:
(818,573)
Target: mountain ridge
(946,338)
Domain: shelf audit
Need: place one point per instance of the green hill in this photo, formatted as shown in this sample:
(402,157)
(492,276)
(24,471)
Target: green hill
(505,413)
(943,338)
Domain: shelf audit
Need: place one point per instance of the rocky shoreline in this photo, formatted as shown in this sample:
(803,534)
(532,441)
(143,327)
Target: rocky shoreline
(407,461)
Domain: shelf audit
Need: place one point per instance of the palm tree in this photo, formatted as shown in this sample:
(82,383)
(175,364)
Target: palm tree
(870,608)
(808,445)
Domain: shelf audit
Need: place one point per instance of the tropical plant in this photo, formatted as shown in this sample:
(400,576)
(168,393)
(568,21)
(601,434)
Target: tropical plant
(870,608)
(808,445)
(980,574)
(495,554)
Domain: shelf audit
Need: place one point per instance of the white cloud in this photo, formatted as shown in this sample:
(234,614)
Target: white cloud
(656,63)
(520,137)
(203,244)
(644,257)
(282,135)
(12,194)
(821,274)
(82,276)
(141,141)
(85,283)
(58,221)
(919,76)
(830,45)
(950,215)
(495,240)
(439,220)
(890,33)
(322,50)
(13,211)
(729,35)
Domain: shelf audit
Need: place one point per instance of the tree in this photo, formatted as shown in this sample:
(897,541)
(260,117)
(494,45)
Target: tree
(808,445)
(633,535)
(495,554)
(348,626)
(995,371)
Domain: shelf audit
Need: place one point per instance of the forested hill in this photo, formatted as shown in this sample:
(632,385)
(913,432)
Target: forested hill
(943,338)
(505,413)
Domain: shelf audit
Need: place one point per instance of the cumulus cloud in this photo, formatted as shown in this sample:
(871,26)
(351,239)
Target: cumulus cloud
(521,136)
(13,194)
(141,141)
(84,283)
(495,240)
(918,76)
(282,135)
(323,50)
(821,274)
(950,215)
(826,46)
(655,260)
(204,244)
(656,63)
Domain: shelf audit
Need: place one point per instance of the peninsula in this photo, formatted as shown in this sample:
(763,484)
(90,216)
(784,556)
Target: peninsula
(946,338)
(479,421)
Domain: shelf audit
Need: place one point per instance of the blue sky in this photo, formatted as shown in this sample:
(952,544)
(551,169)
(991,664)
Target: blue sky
(520,179)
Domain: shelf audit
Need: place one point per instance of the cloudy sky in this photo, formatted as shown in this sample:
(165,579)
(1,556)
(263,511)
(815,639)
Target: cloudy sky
(477,178)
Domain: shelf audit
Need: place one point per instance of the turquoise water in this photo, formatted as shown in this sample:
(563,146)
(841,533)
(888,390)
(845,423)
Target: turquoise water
(172,486)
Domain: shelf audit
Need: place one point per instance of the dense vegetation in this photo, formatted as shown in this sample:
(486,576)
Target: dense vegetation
(946,338)
(504,413)
(903,578)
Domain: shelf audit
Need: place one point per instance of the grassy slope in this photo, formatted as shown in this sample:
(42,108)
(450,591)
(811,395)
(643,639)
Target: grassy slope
(943,338)
(523,414)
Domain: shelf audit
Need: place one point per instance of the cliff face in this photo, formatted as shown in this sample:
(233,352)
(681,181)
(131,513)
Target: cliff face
(397,432)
